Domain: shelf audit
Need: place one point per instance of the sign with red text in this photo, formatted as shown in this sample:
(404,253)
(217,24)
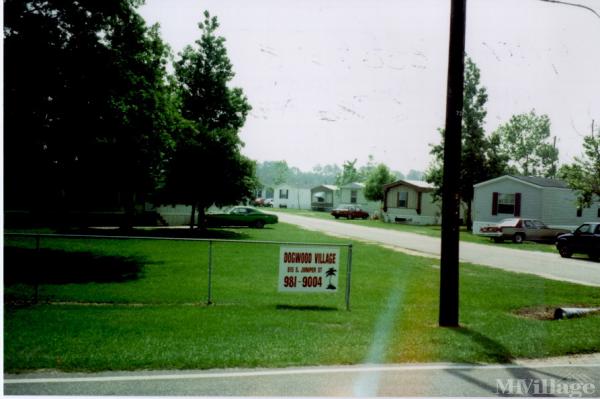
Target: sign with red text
(308,269)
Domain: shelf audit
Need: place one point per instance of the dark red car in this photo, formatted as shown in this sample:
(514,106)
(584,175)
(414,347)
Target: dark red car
(349,212)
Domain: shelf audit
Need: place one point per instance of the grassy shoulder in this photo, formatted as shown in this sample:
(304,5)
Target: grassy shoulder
(431,231)
(156,317)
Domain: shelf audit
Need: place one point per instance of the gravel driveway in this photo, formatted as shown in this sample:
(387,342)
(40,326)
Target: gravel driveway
(548,265)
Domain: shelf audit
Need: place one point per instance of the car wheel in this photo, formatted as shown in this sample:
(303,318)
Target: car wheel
(564,251)
(350,217)
(336,216)
(365,217)
(595,256)
(518,238)
(259,224)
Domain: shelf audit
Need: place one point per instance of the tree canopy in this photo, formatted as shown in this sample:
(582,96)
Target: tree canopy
(87,103)
(524,139)
(480,160)
(207,166)
(379,177)
(93,120)
(583,175)
(349,173)
(273,173)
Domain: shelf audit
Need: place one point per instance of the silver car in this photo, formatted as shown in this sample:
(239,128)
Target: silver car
(519,230)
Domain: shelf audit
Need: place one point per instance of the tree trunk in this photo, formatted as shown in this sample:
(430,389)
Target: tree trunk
(469,219)
(129,211)
(201,217)
(193,217)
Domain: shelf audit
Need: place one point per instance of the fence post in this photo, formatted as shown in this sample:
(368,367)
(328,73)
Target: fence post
(209,300)
(348,277)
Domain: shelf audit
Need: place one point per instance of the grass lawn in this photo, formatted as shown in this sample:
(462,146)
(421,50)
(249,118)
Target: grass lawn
(124,305)
(432,231)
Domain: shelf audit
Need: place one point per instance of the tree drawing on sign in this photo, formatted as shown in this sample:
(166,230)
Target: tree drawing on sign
(330,273)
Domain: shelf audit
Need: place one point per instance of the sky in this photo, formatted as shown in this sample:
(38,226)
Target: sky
(337,80)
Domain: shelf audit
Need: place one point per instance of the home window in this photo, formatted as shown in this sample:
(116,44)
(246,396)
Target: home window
(283,194)
(506,204)
(353,196)
(579,211)
(402,201)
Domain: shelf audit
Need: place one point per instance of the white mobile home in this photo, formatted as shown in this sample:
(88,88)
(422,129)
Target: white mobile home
(287,196)
(549,200)
(410,201)
(177,215)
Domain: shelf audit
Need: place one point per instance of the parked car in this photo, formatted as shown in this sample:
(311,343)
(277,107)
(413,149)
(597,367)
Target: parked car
(241,216)
(585,239)
(258,201)
(266,202)
(349,212)
(519,230)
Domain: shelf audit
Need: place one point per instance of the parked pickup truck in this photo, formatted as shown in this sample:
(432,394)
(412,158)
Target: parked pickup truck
(585,239)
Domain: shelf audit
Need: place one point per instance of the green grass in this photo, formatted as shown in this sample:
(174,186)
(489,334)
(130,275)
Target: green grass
(159,320)
(429,230)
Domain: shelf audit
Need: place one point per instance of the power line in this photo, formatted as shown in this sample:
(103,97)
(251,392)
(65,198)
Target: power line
(574,5)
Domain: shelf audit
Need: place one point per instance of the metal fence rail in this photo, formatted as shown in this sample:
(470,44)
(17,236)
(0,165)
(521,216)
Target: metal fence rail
(210,241)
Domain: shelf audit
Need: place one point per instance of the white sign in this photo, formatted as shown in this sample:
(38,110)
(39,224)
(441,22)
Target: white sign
(309,269)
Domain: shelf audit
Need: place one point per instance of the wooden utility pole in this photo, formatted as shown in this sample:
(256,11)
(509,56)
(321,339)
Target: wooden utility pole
(448,316)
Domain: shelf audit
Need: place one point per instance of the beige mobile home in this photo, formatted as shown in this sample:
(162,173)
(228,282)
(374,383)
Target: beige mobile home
(410,201)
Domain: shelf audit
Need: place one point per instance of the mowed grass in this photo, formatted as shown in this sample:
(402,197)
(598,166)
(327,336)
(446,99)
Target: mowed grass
(158,318)
(428,230)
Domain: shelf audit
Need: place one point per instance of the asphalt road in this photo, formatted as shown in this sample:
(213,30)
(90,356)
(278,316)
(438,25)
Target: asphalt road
(579,376)
(548,265)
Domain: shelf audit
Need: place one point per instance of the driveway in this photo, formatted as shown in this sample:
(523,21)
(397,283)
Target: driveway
(547,265)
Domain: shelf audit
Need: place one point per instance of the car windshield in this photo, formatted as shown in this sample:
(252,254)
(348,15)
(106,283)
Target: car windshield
(584,228)
(508,223)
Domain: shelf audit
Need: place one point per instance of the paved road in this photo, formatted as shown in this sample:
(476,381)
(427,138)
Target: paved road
(548,265)
(579,377)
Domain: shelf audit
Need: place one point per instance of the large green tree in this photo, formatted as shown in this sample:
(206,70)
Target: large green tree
(207,166)
(583,175)
(87,106)
(204,72)
(525,140)
(379,177)
(479,159)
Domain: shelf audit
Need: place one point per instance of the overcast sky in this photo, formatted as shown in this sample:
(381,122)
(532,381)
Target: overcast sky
(335,80)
